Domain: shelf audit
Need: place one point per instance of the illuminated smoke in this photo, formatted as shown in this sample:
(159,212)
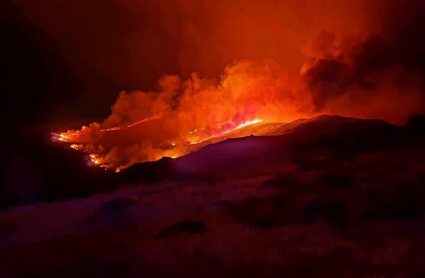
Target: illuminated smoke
(186,114)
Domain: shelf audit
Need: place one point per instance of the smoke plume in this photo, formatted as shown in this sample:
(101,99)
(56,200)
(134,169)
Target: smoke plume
(379,76)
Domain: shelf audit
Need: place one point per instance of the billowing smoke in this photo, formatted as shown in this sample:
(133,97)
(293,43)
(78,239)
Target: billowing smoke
(181,114)
(375,70)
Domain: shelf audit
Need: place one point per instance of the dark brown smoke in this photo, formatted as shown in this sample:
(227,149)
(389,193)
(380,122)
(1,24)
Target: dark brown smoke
(379,75)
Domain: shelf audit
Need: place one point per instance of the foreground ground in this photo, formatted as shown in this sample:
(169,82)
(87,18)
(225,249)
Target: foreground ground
(331,197)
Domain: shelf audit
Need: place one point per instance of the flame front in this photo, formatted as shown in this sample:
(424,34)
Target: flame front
(225,132)
(79,140)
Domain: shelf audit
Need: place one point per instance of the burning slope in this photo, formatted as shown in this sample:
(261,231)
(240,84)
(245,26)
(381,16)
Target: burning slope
(184,115)
(79,142)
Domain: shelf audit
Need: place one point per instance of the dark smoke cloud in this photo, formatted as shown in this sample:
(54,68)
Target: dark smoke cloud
(359,68)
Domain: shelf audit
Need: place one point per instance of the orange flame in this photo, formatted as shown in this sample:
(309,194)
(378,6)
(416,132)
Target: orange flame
(178,150)
(227,131)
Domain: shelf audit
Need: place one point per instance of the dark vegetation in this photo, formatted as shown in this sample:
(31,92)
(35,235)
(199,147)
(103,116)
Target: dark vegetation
(327,201)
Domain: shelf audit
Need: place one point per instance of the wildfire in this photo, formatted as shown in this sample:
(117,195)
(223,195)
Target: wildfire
(97,159)
(184,115)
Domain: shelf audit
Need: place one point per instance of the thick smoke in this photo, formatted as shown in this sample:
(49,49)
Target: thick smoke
(182,113)
(381,75)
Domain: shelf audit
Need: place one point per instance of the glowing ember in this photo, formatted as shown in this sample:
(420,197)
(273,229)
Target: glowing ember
(244,125)
(227,131)
(154,117)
